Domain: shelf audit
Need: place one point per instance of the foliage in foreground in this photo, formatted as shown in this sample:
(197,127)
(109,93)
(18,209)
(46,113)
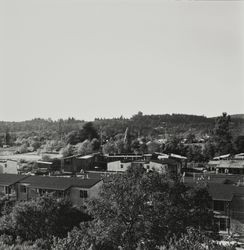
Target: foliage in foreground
(41,218)
(192,240)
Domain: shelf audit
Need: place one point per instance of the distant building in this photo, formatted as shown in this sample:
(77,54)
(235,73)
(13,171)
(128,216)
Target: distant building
(227,164)
(9,166)
(118,166)
(157,166)
(78,163)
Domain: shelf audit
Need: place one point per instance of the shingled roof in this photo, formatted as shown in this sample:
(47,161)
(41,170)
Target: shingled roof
(58,183)
(10,179)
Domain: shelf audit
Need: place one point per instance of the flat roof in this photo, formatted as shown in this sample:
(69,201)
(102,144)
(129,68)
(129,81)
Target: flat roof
(85,157)
(45,162)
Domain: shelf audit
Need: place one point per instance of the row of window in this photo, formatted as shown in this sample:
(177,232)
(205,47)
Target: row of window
(23,189)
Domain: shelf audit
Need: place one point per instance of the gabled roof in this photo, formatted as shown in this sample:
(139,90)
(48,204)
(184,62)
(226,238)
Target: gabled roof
(58,183)
(10,179)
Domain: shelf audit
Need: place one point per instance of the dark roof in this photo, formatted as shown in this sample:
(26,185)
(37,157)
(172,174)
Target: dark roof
(225,191)
(10,179)
(59,183)
(220,188)
(221,191)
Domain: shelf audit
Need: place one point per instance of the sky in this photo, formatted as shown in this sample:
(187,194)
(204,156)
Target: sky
(107,58)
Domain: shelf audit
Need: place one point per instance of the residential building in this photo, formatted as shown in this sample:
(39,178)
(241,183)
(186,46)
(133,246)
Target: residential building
(227,165)
(78,190)
(227,193)
(8,183)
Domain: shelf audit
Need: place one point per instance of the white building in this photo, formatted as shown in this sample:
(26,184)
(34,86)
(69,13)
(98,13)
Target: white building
(118,166)
(9,167)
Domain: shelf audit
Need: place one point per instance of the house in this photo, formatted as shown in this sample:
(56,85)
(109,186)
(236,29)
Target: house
(228,206)
(227,193)
(76,189)
(121,162)
(8,183)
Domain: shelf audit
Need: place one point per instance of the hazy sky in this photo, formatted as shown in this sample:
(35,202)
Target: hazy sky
(86,59)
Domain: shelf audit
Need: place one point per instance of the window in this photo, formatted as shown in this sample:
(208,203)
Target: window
(23,189)
(121,166)
(83,194)
(41,191)
(7,190)
(219,206)
(222,224)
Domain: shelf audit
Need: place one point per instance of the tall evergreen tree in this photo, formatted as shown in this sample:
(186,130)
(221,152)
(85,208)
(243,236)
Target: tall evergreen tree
(222,135)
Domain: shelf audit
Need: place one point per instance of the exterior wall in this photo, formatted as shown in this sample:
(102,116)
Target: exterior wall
(8,190)
(161,168)
(2,190)
(20,195)
(2,166)
(92,192)
(9,167)
(73,194)
(222,215)
(233,215)
(237,215)
(67,164)
(118,166)
(12,167)
(82,163)
(32,193)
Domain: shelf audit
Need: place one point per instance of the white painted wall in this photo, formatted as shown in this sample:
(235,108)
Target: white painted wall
(118,166)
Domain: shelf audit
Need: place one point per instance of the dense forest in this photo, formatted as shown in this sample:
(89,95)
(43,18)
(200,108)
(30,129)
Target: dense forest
(143,125)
